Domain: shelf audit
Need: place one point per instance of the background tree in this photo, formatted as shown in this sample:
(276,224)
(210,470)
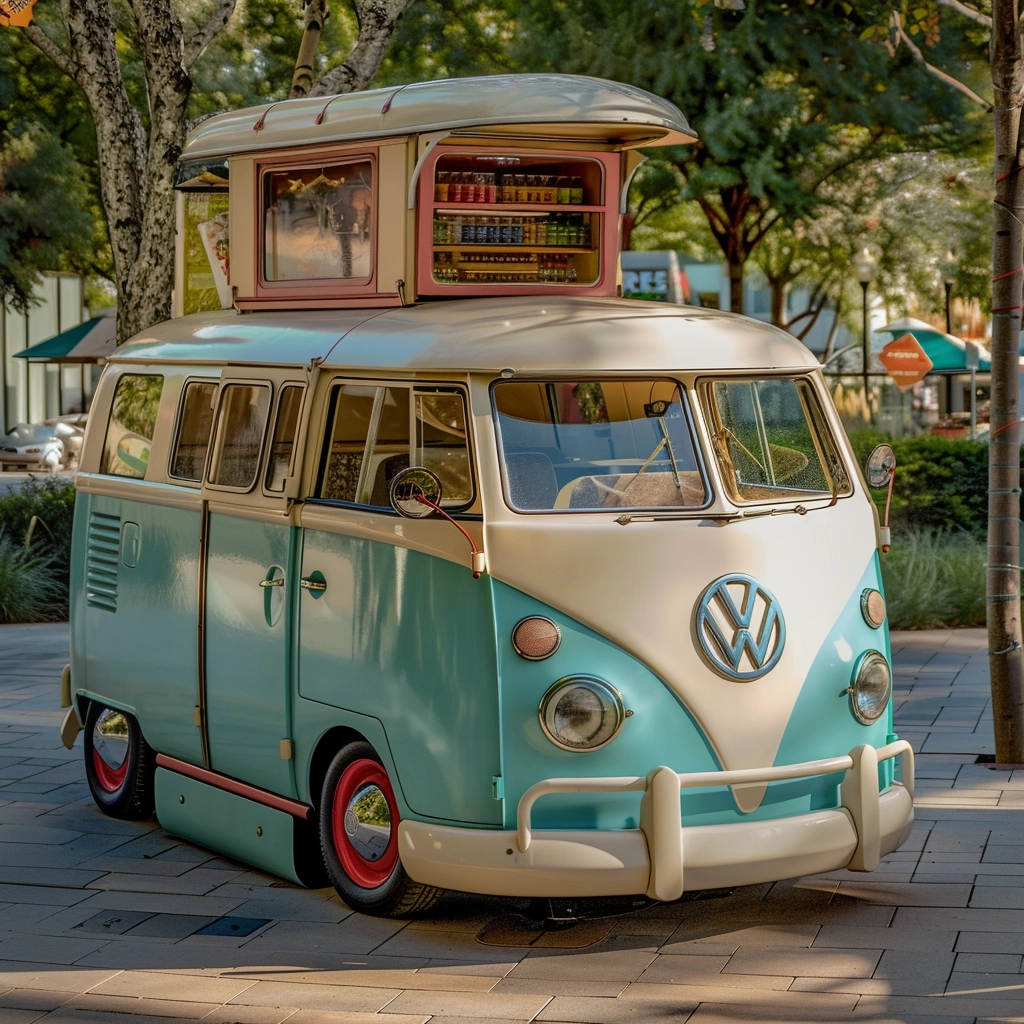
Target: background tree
(133,61)
(784,96)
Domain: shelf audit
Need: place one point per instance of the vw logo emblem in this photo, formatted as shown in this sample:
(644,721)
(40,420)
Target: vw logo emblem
(740,627)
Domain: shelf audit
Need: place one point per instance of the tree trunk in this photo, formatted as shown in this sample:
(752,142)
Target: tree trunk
(315,15)
(1006,665)
(735,284)
(778,302)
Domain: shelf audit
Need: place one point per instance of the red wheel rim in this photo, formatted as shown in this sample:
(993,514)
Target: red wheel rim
(111,779)
(366,873)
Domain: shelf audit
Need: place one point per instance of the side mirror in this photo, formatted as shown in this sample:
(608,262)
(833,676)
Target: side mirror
(880,466)
(880,470)
(416,493)
(408,485)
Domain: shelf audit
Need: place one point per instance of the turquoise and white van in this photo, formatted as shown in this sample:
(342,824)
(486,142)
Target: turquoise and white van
(528,591)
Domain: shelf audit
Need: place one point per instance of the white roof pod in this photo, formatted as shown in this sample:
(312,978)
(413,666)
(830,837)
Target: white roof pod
(560,108)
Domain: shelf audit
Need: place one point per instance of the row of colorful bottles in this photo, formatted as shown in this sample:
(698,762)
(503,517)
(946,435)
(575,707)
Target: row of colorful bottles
(557,230)
(474,187)
(549,268)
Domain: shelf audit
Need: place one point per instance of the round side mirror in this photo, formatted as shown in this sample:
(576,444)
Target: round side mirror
(406,488)
(880,466)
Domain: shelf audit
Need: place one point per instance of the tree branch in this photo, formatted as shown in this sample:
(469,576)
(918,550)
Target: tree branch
(967,12)
(941,75)
(377,21)
(46,45)
(196,42)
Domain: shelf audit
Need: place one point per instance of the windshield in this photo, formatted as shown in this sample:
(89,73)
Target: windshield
(772,440)
(596,445)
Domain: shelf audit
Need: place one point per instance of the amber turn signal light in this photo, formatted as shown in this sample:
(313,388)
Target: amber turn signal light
(536,638)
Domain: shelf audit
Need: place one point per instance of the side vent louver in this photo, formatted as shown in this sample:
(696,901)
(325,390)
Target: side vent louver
(101,561)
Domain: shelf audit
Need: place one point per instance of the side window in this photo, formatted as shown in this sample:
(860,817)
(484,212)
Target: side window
(238,438)
(441,443)
(282,447)
(193,437)
(132,423)
(369,443)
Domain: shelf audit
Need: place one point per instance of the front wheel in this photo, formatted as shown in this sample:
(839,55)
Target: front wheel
(119,763)
(359,837)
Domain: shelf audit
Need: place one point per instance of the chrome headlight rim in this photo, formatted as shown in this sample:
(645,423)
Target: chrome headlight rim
(858,669)
(602,689)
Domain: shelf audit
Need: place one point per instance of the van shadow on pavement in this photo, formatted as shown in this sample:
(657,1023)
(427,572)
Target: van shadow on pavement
(104,920)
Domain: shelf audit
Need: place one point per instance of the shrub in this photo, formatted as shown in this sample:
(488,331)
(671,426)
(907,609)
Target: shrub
(941,484)
(53,501)
(30,590)
(934,579)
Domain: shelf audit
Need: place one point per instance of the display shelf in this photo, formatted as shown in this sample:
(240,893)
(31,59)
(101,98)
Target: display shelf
(538,244)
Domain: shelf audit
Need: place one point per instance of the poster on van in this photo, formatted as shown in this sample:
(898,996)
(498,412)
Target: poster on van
(207,252)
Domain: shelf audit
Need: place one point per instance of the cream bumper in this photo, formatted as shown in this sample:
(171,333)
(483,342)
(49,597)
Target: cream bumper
(662,858)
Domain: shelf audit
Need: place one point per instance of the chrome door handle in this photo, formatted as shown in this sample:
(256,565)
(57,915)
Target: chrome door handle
(279,582)
(311,584)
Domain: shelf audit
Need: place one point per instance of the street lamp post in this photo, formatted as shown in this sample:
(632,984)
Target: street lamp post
(949,268)
(867,270)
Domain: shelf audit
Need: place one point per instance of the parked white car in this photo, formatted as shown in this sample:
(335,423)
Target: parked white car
(32,446)
(70,429)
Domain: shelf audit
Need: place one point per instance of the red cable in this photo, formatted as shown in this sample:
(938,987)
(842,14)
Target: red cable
(1009,273)
(424,500)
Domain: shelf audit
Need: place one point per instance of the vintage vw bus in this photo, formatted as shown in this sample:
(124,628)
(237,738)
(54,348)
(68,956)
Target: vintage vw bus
(531,592)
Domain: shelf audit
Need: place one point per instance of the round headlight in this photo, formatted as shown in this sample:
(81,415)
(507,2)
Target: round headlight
(536,638)
(872,607)
(581,713)
(871,687)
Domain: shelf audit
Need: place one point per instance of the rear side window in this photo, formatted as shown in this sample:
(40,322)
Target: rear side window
(193,436)
(129,439)
(238,438)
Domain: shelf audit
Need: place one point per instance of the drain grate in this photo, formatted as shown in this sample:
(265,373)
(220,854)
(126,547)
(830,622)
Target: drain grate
(239,926)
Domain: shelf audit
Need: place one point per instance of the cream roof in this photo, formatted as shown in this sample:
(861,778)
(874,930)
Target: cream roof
(568,107)
(529,334)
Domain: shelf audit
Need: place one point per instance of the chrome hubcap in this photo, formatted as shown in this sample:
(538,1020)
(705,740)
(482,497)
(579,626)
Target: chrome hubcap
(368,822)
(110,738)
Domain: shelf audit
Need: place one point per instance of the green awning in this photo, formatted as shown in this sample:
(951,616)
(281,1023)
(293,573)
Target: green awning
(85,343)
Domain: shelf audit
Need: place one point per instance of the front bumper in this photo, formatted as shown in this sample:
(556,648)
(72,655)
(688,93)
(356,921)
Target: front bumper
(662,858)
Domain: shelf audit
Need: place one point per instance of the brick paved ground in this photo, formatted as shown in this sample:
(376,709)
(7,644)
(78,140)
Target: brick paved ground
(98,918)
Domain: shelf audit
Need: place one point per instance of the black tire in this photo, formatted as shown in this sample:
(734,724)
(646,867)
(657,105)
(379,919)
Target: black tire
(363,864)
(123,789)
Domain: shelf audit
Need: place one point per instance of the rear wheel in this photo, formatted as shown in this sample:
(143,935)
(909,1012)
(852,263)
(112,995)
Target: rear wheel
(119,763)
(359,837)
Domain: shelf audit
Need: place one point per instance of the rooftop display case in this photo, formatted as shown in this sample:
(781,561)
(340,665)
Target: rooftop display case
(509,184)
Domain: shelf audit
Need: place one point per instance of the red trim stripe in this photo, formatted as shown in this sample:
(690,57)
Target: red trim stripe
(229,785)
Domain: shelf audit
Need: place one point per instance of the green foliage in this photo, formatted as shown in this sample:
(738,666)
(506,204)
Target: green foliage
(52,500)
(940,484)
(934,579)
(30,590)
(45,223)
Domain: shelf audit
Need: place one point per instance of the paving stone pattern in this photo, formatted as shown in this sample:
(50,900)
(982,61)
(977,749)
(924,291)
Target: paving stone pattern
(100,919)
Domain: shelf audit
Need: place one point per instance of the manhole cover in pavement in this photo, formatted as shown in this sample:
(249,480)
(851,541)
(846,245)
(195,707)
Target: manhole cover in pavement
(520,931)
(234,926)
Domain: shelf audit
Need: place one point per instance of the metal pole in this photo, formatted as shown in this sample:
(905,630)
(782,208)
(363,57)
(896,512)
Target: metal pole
(949,289)
(974,406)
(864,343)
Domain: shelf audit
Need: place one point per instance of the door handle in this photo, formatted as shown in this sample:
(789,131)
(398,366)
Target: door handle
(279,582)
(316,585)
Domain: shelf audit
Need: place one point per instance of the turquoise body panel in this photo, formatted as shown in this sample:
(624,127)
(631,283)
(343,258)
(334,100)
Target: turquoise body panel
(134,641)
(408,639)
(247,664)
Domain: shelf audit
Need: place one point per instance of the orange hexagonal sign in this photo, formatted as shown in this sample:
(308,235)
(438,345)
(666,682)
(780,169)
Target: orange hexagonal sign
(906,361)
(16,12)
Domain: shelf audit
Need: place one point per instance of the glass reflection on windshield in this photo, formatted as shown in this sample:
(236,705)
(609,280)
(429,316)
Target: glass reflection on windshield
(597,445)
